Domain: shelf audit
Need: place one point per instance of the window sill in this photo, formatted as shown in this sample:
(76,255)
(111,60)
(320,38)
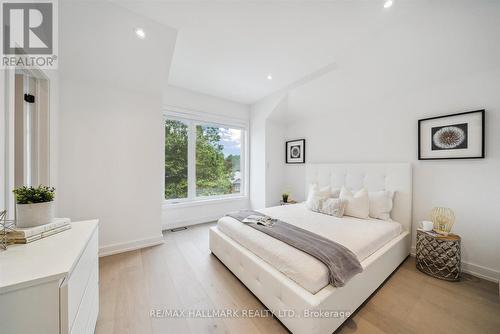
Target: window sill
(199,202)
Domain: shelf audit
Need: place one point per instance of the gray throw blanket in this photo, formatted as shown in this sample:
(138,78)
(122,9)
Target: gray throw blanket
(342,264)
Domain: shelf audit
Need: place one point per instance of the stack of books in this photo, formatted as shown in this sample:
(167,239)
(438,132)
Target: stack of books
(30,234)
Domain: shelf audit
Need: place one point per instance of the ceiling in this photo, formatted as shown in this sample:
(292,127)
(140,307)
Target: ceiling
(227,49)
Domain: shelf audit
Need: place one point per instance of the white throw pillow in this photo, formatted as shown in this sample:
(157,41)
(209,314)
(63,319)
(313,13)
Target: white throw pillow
(335,192)
(358,204)
(333,207)
(316,195)
(381,204)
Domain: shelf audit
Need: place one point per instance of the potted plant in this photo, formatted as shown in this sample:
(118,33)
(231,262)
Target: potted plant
(285,196)
(34,206)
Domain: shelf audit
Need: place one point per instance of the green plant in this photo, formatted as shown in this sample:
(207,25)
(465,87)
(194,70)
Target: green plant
(30,195)
(285,196)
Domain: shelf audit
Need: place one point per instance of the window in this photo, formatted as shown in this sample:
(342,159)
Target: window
(203,160)
(218,151)
(176,159)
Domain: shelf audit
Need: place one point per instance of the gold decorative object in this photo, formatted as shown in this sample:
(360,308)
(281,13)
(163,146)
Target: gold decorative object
(5,226)
(443,219)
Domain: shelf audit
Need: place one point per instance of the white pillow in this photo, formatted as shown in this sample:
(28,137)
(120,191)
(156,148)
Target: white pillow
(381,204)
(335,193)
(333,207)
(358,205)
(316,195)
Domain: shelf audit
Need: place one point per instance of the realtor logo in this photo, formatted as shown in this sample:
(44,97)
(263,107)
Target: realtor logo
(28,34)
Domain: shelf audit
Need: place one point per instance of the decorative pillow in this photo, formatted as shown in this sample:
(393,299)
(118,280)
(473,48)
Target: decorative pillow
(315,196)
(333,207)
(358,204)
(381,204)
(335,193)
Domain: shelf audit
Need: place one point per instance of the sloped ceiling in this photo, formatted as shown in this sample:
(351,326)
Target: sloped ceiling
(227,48)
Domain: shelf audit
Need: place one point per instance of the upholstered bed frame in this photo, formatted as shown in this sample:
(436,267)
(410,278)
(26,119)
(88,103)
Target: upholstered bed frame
(297,308)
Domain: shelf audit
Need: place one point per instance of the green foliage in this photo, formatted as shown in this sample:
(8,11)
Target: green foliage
(176,163)
(30,195)
(233,163)
(213,177)
(214,173)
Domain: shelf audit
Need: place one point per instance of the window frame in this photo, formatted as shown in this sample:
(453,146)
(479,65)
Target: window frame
(192,119)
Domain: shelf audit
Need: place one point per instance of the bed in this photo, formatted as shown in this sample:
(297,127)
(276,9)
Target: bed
(294,285)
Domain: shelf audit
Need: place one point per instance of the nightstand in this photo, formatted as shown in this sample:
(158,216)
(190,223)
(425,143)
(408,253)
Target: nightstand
(288,203)
(438,255)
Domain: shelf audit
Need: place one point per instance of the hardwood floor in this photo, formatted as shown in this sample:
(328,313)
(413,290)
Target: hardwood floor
(182,274)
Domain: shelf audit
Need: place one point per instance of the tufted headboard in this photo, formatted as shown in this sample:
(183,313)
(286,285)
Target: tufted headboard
(373,176)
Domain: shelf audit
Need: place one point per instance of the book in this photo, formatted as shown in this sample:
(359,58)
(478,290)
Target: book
(26,232)
(56,230)
(25,240)
(260,220)
(39,236)
(431,232)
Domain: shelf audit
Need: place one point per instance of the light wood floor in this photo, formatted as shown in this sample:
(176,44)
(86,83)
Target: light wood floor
(182,274)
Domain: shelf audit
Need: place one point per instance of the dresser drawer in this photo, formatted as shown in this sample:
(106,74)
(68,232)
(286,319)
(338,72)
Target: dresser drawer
(44,284)
(85,317)
(77,283)
(94,312)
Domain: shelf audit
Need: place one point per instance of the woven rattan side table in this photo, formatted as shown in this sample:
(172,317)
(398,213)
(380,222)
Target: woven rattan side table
(438,255)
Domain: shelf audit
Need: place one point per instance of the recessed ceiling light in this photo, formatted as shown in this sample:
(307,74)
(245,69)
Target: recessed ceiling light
(269,77)
(140,33)
(388,3)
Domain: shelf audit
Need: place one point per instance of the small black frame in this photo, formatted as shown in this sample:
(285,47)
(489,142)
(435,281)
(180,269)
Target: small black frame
(482,156)
(286,151)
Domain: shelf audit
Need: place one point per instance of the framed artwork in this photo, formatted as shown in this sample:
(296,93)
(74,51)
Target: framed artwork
(295,151)
(456,136)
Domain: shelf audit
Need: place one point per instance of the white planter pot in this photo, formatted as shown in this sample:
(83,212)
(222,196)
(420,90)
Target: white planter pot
(30,215)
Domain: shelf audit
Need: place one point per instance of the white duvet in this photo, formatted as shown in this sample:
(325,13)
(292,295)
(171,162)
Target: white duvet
(361,236)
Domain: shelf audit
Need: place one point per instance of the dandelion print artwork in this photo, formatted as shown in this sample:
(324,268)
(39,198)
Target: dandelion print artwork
(455,136)
(450,137)
(295,151)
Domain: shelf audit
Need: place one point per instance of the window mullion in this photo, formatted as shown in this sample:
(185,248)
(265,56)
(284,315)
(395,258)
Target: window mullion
(192,160)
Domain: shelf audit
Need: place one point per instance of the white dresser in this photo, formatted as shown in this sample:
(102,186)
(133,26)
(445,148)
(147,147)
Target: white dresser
(51,286)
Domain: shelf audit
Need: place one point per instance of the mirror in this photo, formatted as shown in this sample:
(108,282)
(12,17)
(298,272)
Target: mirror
(31,129)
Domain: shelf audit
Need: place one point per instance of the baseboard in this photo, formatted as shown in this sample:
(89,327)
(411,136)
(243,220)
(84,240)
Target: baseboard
(476,270)
(190,222)
(130,246)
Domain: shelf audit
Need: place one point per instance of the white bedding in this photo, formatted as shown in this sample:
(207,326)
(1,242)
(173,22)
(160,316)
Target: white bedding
(361,236)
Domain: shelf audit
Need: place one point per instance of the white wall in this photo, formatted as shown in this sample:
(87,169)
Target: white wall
(260,113)
(367,109)
(111,127)
(191,100)
(186,101)
(275,154)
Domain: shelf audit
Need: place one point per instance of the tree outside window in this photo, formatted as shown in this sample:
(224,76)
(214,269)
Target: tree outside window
(217,160)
